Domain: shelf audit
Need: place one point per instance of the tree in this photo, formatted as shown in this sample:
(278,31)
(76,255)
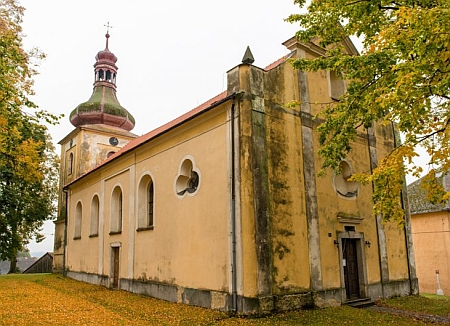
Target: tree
(28,165)
(401,77)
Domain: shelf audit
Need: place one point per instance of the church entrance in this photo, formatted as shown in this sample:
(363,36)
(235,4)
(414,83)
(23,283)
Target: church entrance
(350,264)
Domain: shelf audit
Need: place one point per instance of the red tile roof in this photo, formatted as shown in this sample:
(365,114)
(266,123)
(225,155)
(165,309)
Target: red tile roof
(278,62)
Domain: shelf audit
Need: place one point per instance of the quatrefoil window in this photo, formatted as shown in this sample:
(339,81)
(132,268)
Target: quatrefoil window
(188,179)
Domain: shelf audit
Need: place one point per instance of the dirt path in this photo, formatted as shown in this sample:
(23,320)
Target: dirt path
(413,314)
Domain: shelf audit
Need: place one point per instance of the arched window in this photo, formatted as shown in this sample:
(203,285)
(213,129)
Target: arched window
(95,214)
(116,211)
(78,221)
(146,207)
(150,199)
(120,208)
(70,164)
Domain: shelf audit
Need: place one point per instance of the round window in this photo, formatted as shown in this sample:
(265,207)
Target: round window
(342,182)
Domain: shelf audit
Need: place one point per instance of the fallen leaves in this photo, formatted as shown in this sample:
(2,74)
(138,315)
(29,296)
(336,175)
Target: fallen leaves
(50,299)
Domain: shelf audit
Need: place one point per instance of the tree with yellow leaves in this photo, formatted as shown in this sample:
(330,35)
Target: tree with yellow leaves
(402,77)
(28,164)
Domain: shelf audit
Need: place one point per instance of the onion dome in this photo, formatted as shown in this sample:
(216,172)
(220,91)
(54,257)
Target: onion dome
(103,106)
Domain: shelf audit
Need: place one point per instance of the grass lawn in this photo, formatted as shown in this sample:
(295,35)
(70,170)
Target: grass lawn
(50,299)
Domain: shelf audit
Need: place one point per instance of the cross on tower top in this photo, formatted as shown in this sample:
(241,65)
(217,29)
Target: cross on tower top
(108,26)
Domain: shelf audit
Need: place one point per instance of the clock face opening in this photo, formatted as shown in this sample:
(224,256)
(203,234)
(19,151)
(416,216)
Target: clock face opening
(114,141)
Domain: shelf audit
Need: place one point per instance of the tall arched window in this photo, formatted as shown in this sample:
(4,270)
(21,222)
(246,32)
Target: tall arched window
(95,214)
(146,206)
(116,210)
(150,198)
(120,208)
(70,164)
(78,221)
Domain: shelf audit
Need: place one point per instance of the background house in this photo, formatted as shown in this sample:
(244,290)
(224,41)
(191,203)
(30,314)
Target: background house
(431,236)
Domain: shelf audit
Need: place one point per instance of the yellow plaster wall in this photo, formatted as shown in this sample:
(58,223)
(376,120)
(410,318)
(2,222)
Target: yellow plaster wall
(121,179)
(395,235)
(291,247)
(90,146)
(286,185)
(189,245)
(82,254)
(431,236)
(248,272)
(396,250)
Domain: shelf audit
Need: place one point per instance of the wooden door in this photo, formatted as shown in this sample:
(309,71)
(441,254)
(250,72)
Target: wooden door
(351,274)
(115,252)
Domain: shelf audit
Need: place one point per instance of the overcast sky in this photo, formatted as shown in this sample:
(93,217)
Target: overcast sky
(172,55)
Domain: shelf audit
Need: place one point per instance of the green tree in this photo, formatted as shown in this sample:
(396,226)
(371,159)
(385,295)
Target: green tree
(28,164)
(402,77)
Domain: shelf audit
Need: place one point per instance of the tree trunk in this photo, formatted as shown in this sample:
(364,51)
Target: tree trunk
(13,265)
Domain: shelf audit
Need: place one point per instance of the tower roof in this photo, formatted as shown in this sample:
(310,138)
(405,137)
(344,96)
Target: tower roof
(103,106)
(106,56)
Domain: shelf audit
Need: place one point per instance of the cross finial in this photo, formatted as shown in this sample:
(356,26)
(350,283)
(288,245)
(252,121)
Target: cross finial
(108,26)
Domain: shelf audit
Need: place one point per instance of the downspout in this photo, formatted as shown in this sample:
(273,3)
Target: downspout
(64,272)
(233,215)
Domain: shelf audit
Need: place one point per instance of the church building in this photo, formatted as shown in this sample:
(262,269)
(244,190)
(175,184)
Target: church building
(222,207)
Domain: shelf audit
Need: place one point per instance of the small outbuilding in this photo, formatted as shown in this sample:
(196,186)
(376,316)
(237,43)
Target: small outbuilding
(42,265)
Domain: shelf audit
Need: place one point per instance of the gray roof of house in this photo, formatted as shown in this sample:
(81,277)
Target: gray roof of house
(417,197)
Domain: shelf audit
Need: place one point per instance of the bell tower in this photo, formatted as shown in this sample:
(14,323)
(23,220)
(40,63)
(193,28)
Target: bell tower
(102,127)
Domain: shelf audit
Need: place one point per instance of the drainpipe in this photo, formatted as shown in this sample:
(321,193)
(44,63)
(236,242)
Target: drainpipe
(233,215)
(64,272)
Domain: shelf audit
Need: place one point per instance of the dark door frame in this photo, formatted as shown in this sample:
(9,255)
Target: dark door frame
(358,238)
(114,274)
(351,270)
